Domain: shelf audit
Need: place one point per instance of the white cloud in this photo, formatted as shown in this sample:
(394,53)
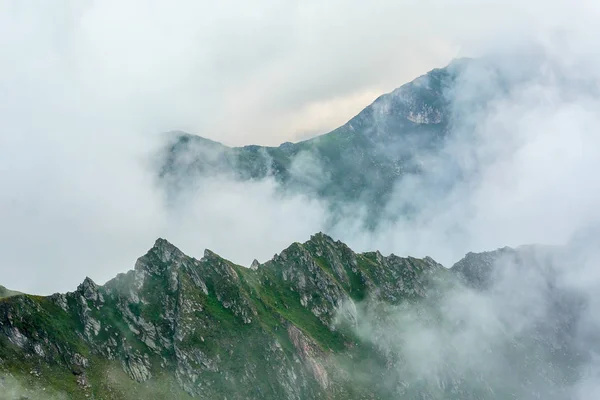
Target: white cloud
(523,163)
(85,86)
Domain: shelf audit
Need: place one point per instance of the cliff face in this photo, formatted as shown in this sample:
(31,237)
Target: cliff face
(176,327)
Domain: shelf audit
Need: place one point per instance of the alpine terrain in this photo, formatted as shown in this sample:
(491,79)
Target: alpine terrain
(314,322)
(319,320)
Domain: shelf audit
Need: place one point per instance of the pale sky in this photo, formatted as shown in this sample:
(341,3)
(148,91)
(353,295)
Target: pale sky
(259,71)
(85,87)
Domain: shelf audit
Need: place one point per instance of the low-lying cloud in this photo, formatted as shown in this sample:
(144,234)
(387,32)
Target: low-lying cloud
(532,333)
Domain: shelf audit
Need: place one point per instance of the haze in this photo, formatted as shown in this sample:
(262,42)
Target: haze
(86,87)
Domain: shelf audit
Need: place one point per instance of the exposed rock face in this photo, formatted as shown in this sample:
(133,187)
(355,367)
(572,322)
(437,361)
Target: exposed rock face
(290,328)
(209,328)
(309,353)
(89,290)
(137,367)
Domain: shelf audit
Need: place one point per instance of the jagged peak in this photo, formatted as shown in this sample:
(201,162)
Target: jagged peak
(171,257)
(162,243)
(162,250)
(320,236)
(209,254)
(320,239)
(87,283)
(166,250)
(89,289)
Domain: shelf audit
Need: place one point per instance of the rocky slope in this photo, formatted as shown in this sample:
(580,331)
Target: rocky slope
(176,327)
(317,321)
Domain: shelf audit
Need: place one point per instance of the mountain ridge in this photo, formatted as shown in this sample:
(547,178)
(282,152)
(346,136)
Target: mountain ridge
(454,66)
(142,317)
(178,327)
(359,162)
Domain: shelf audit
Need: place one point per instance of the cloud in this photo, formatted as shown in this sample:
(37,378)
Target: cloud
(520,161)
(13,388)
(86,86)
(224,71)
(531,333)
(242,220)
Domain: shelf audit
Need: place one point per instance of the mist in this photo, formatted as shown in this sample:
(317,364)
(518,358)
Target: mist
(85,102)
(530,331)
(520,164)
(520,161)
(88,89)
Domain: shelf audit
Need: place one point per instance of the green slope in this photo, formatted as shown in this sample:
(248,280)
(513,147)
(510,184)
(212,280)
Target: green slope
(176,326)
(317,321)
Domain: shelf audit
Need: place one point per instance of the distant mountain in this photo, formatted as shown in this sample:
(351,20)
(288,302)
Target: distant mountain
(318,321)
(357,162)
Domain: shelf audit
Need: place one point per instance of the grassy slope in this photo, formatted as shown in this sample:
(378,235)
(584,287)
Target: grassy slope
(223,336)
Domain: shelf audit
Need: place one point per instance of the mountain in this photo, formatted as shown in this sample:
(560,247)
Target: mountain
(360,161)
(176,326)
(317,321)
(4,292)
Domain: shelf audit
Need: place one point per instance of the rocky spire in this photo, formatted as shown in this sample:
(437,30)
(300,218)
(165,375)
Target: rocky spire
(89,289)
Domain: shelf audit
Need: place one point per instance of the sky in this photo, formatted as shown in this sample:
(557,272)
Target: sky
(87,86)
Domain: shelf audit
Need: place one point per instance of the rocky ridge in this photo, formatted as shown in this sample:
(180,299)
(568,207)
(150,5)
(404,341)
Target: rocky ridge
(205,328)
(317,321)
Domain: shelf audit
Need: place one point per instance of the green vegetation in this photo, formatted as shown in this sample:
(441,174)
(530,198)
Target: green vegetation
(360,161)
(177,326)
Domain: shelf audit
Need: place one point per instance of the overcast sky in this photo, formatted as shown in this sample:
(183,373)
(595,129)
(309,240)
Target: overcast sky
(259,72)
(85,86)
